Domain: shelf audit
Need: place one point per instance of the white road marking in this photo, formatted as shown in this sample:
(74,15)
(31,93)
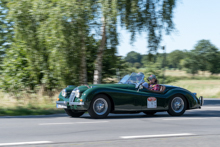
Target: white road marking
(210,107)
(70,123)
(156,136)
(188,118)
(25,143)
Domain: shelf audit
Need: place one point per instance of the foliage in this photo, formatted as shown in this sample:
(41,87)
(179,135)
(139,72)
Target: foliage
(16,73)
(174,58)
(207,56)
(204,57)
(133,57)
(47,37)
(52,44)
(159,73)
(149,16)
(6,29)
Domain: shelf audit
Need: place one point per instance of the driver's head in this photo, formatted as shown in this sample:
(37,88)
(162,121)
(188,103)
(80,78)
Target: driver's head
(152,79)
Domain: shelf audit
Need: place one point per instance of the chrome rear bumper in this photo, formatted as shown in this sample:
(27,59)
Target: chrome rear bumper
(201,100)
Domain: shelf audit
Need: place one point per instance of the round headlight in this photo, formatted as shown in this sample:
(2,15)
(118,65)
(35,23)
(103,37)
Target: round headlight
(77,93)
(64,93)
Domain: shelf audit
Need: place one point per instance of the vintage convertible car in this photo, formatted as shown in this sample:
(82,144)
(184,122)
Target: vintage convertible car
(127,96)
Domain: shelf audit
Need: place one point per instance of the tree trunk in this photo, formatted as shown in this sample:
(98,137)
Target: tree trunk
(83,67)
(98,63)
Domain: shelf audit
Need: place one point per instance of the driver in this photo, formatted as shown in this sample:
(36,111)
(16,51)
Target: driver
(153,83)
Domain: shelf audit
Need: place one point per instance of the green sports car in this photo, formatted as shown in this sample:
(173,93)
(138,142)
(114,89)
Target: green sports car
(126,96)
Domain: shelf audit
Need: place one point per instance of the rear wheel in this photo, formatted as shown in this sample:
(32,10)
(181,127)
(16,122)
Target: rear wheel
(72,113)
(177,105)
(100,106)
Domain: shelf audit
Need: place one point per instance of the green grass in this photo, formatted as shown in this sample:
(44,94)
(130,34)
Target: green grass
(205,88)
(34,104)
(28,111)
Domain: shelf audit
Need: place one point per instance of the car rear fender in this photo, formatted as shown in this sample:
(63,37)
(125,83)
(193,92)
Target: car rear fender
(191,99)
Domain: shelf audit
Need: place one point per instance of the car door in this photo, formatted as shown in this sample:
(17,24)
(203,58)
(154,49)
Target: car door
(151,100)
(126,100)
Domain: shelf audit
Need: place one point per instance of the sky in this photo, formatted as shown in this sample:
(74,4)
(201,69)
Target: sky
(194,20)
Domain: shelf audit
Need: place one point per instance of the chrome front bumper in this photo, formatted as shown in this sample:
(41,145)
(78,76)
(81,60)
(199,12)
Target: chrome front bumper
(63,104)
(76,103)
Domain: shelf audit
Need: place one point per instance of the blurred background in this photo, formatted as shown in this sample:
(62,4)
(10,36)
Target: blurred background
(47,45)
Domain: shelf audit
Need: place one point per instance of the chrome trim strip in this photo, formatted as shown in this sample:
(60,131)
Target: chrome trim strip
(76,103)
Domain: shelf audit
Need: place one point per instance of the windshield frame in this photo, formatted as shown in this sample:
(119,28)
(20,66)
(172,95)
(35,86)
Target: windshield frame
(127,81)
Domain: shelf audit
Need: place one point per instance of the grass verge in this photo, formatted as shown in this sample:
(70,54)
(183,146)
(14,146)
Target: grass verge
(31,104)
(205,88)
(19,111)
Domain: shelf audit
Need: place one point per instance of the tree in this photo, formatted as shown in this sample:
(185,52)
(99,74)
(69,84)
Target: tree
(191,63)
(137,16)
(6,29)
(207,56)
(150,16)
(55,41)
(133,57)
(108,12)
(175,57)
(54,36)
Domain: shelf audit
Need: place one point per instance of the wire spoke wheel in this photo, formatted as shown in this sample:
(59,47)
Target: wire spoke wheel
(100,106)
(177,105)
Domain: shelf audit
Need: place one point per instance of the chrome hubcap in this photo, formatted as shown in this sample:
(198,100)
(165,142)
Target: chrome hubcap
(177,104)
(100,106)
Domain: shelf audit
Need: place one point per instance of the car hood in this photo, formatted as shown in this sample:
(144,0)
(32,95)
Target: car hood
(121,86)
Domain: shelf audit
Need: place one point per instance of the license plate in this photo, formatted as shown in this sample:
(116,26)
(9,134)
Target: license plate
(61,106)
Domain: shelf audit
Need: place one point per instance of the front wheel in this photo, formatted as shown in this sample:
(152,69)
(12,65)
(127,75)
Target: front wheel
(73,114)
(177,105)
(100,106)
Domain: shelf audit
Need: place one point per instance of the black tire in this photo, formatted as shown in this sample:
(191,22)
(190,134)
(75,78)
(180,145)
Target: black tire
(73,114)
(177,105)
(100,106)
(151,113)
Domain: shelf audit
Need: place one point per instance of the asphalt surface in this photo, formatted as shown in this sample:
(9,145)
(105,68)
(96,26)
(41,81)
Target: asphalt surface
(199,127)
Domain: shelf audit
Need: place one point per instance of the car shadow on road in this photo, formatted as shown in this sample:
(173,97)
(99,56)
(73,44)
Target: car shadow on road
(188,114)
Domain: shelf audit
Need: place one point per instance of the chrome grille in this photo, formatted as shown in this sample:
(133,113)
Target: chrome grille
(73,95)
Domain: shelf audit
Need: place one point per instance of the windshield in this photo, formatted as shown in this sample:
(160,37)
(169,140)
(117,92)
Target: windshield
(124,79)
(134,78)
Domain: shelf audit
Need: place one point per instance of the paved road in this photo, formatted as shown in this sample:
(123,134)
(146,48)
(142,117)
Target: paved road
(200,127)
